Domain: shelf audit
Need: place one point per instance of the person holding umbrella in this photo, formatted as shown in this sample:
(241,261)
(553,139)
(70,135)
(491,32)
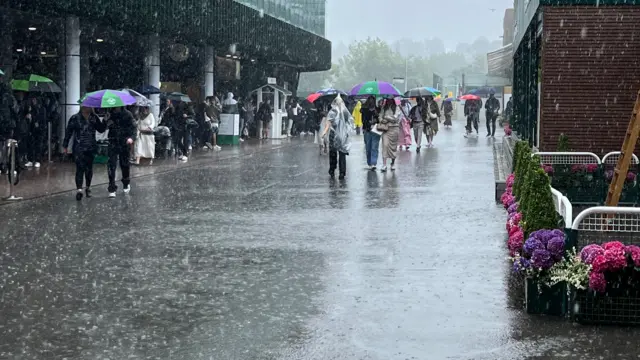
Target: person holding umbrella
(82,127)
(122,131)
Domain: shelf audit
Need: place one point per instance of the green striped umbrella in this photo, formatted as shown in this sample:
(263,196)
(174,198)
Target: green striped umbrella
(1,72)
(34,83)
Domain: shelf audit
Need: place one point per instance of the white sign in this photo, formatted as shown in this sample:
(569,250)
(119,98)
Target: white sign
(229,124)
(398,80)
(271,81)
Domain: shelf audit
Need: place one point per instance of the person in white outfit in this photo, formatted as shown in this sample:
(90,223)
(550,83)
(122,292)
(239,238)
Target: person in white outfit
(146,142)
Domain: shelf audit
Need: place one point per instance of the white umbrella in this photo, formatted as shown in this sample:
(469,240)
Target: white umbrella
(141,100)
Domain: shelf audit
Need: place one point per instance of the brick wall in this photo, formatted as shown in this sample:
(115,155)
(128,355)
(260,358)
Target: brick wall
(590,75)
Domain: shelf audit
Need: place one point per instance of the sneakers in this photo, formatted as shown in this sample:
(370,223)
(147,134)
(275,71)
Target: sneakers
(112,195)
(393,168)
(241,140)
(208,145)
(127,189)
(88,193)
(217,148)
(384,168)
(183,158)
(29,164)
(79,195)
(36,165)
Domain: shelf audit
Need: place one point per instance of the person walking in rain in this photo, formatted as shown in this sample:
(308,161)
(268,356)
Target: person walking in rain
(370,113)
(417,116)
(471,111)
(492,107)
(122,131)
(357,117)
(432,112)
(82,128)
(404,135)
(390,118)
(339,121)
(447,108)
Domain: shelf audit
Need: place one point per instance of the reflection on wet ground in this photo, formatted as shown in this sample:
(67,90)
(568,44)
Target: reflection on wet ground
(264,257)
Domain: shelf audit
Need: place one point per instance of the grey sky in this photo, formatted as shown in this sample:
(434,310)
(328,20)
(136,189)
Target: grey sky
(453,21)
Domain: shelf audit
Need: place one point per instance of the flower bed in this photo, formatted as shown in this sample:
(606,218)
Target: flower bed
(613,293)
(581,183)
(629,194)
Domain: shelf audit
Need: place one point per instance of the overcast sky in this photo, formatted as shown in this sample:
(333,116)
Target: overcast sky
(453,21)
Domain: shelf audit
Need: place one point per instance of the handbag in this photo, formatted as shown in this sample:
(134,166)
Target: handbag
(382,127)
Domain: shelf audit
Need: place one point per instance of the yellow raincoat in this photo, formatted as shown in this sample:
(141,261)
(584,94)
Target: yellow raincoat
(357,115)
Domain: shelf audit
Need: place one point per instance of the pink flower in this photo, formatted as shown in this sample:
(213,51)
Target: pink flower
(577,168)
(510,180)
(597,282)
(616,260)
(611,245)
(548,169)
(591,168)
(631,177)
(599,264)
(634,252)
(516,241)
(507,199)
(507,130)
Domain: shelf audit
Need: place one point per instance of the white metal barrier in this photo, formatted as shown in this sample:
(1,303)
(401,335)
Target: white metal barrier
(612,158)
(569,158)
(608,218)
(563,207)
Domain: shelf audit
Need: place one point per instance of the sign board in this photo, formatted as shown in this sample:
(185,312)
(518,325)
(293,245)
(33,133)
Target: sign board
(271,81)
(398,80)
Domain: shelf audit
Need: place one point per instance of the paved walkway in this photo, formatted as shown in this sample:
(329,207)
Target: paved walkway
(264,257)
(59,177)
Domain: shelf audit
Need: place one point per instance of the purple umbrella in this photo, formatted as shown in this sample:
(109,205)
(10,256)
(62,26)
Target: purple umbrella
(375,88)
(107,99)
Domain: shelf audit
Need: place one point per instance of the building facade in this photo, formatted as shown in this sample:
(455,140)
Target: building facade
(306,14)
(576,72)
(199,47)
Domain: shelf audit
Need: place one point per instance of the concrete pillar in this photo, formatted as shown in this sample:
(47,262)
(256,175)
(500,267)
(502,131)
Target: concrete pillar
(153,71)
(209,71)
(71,71)
(6,43)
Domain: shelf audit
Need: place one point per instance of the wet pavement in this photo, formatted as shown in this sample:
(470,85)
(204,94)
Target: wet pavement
(264,257)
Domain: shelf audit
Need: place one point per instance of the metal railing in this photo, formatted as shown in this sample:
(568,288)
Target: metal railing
(563,207)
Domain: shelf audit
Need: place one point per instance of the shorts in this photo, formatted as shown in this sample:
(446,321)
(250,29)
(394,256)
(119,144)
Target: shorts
(214,128)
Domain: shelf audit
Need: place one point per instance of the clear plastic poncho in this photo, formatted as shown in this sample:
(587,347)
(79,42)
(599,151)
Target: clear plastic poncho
(341,124)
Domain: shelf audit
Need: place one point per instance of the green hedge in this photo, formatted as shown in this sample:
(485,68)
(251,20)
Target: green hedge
(532,188)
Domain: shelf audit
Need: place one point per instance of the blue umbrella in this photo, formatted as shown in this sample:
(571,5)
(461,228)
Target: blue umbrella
(148,90)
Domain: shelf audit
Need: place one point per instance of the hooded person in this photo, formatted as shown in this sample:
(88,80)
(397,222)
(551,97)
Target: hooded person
(339,123)
(357,116)
(122,131)
(82,128)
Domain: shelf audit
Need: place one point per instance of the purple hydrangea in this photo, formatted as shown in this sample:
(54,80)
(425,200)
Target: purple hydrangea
(589,253)
(555,246)
(541,259)
(532,244)
(521,264)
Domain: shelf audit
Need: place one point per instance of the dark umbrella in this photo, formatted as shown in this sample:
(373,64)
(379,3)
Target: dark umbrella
(418,92)
(148,90)
(482,91)
(176,96)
